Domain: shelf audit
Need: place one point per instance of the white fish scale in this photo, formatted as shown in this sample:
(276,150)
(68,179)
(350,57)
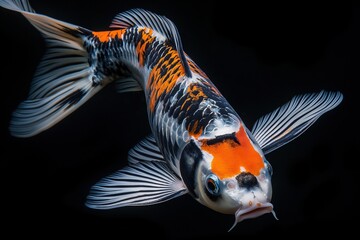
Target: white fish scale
(220,124)
(167,128)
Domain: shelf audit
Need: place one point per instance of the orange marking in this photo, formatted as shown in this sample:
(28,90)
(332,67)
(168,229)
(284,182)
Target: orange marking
(160,84)
(105,36)
(231,158)
(182,105)
(141,47)
(192,131)
(195,92)
(194,126)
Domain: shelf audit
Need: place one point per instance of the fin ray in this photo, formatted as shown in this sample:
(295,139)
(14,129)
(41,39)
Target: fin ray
(36,115)
(145,150)
(143,183)
(127,84)
(63,79)
(146,180)
(17,5)
(292,119)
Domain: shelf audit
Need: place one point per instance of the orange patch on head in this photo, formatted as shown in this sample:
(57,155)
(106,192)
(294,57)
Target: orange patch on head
(231,158)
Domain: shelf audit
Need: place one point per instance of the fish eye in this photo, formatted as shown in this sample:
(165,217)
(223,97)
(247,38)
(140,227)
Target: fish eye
(212,184)
(268,167)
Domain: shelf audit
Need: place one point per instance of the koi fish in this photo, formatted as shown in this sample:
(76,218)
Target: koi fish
(198,143)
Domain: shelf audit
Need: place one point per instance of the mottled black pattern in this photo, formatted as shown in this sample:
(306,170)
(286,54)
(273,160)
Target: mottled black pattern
(160,58)
(157,55)
(154,51)
(188,105)
(108,57)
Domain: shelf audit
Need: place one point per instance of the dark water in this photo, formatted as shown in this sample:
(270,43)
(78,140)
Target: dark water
(258,56)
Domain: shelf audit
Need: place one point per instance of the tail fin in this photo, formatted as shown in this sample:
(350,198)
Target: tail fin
(63,80)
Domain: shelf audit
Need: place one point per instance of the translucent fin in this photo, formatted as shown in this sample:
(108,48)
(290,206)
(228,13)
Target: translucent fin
(127,85)
(146,150)
(143,183)
(63,80)
(16,5)
(36,115)
(147,180)
(292,119)
(161,24)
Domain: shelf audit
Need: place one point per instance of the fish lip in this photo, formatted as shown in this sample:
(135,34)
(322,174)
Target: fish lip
(254,211)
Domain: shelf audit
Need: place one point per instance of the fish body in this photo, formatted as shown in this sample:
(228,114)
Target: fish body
(198,143)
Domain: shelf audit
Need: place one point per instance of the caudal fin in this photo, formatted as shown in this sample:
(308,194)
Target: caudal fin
(63,80)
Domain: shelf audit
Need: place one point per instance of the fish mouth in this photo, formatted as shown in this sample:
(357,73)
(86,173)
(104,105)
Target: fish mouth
(252,212)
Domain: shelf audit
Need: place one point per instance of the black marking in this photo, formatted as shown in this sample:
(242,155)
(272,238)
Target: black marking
(247,180)
(163,71)
(222,138)
(107,57)
(154,53)
(167,57)
(189,163)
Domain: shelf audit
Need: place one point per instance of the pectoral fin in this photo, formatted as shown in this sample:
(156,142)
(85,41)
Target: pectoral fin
(292,119)
(145,181)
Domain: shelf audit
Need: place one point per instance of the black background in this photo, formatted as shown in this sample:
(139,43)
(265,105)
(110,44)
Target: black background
(258,55)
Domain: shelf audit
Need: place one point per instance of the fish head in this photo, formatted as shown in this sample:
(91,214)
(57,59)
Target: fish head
(232,176)
(245,195)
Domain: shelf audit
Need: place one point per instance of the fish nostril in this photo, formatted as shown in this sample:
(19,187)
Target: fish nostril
(247,180)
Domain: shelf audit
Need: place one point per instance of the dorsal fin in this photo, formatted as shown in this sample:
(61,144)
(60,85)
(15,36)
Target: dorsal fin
(161,24)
